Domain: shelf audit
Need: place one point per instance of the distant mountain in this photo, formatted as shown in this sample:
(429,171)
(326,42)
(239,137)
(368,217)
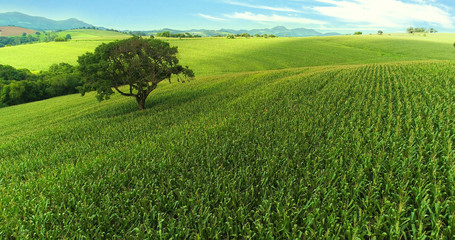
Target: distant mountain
(277,31)
(39,23)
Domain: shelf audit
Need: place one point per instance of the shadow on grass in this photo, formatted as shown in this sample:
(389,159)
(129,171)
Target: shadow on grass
(159,102)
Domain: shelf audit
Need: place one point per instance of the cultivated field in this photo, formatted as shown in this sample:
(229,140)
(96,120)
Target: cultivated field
(14,31)
(314,138)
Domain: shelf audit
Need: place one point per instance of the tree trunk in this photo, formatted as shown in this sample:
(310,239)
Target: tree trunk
(141,102)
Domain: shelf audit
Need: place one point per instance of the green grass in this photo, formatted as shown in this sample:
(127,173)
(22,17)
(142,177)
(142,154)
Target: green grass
(347,137)
(41,56)
(212,56)
(91,34)
(320,152)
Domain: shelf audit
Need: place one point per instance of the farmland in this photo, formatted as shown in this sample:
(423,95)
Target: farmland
(14,31)
(340,137)
(214,56)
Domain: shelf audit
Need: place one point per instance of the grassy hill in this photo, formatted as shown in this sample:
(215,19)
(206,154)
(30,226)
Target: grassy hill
(209,56)
(267,145)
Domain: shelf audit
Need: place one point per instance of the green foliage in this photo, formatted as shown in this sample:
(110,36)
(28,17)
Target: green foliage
(358,33)
(61,79)
(313,153)
(10,73)
(167,34)
(60,39)
(230,36)
(420,30)
(18,40)
(137,62)
(380,32)
(21,86)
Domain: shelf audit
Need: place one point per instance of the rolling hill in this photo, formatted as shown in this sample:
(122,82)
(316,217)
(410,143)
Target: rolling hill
(277,31)
(346,137)
(209,56)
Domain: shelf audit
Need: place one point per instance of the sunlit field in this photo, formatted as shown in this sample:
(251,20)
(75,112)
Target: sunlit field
(347,137)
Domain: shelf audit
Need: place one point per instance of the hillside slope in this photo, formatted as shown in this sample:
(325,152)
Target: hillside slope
(210,56)
(321,152)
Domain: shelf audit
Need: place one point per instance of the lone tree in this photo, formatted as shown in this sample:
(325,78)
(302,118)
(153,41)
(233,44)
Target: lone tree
(138,63)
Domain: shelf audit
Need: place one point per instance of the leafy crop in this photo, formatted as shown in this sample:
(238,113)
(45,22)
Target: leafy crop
(322,152)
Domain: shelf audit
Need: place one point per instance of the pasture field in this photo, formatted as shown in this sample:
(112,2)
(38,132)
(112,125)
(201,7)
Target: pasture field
(317,152)
(91,35)
(213,56)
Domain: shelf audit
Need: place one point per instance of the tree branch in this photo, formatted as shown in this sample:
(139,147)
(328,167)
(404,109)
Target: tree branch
(124,94)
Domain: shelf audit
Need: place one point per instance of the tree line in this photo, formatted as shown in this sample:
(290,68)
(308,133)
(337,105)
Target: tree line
(420,30)
(19,86)
(31,38)
(176,35)
(247,35)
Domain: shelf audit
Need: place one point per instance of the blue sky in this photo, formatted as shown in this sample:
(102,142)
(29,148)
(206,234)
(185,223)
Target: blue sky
(344,16)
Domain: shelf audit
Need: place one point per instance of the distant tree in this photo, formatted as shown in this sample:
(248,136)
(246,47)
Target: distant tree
(257,35)
(38,33)
(358,33)
(420,30)
(60,39)
(245,35)
(380,32)
(265,35)
(136,62)
(68,36)
(272,36)
(230,36)
(432,30)
(410,30)
(164,34)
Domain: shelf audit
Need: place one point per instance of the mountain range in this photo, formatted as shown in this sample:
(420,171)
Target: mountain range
(277,31)
(43,24)
(39,23)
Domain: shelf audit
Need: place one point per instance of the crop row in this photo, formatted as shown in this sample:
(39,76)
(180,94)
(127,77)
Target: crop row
(351,152)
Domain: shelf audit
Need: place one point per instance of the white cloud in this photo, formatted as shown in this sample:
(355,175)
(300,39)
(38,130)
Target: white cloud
(385,13)
(262,7)
(272,18)
(211,17)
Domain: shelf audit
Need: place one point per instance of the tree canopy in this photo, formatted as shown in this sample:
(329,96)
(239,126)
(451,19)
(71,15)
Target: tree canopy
(138,63)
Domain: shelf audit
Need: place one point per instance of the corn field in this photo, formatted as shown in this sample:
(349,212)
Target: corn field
(352,152)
